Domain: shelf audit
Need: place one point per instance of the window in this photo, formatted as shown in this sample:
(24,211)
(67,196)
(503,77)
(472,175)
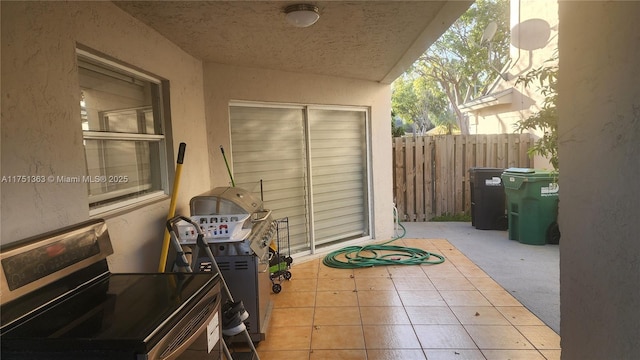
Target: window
(123,133)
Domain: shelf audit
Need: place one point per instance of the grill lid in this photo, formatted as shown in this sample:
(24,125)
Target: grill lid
(225,200)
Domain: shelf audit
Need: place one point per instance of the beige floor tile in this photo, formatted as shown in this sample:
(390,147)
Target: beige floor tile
(464,298)
(395,354)
(431,315)
(500,298)
(445,266)
(421,298)
(450,253)
(440,270)
(378,298)
(329,284)
(306,262)
(471,271)
(336,298)
(336,355)
(379,315)
(422,245)
(406,271)
(283,354)
(287,299)
(485,283)
(300,284)
(454,354)
(339,315)
(287,338)
(512,355)
(494,337)
(333,273)
(459,260)
(304,272)
(455,283)
(337,337)
(451,310)
(413,283)
(519,315)
(444,337)
(551,354)
(390,337)
(374,283)
(542,337)
(301,316)
(479,315)
(378,271)
(441,243)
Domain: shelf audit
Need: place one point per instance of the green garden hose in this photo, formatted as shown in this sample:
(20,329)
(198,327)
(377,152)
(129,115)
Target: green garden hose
(370,255)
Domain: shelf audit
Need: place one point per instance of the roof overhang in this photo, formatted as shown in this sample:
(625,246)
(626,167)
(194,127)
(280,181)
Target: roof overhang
(487,101)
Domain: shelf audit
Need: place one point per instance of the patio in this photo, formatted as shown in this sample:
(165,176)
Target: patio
(465,308)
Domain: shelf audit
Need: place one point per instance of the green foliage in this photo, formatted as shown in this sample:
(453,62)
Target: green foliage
(458,65)
(395,130)
(545,78)
(420,102)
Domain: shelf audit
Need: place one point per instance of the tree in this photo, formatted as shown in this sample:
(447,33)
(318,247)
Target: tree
(458,65)
(396,131)
(545,120)
(420,102)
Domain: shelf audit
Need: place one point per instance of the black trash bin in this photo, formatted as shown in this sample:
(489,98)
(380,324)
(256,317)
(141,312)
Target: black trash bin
(487,199)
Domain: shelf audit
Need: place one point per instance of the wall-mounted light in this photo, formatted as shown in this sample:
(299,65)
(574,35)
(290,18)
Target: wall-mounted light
(301,15)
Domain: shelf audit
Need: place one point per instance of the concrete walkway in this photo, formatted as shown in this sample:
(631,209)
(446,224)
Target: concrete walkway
(530,273)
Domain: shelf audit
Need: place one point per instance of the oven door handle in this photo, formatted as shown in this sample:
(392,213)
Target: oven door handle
(267,214)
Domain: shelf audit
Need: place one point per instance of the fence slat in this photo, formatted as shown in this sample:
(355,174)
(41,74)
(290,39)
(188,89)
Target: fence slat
(399,176)
(458,175)
(410,178)
(429,178)
(419,164)
(470,160)
(431,175)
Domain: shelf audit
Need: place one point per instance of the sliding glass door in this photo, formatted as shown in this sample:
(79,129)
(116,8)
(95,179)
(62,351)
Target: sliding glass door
(312,164)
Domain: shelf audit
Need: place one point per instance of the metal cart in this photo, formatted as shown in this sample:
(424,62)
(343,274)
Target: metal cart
(280,255)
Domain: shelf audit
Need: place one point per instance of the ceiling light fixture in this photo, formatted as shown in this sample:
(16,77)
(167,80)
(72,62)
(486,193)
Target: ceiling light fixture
(301,15)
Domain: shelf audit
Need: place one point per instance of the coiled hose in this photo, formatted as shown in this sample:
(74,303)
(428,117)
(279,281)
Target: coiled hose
(370,255)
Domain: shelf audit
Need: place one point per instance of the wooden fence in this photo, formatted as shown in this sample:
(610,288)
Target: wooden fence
(431,173)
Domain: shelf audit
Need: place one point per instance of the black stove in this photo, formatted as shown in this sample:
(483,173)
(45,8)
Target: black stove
(59,301)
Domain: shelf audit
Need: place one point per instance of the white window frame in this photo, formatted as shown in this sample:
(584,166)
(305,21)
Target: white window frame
(161,139)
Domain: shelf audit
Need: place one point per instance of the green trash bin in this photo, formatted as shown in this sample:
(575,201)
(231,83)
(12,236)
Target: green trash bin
(532,205)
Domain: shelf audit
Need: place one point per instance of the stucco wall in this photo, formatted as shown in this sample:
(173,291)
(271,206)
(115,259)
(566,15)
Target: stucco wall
(226,83)
(599,108)
(41,132)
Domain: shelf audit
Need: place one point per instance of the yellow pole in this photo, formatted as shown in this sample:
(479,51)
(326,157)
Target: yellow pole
(172,208)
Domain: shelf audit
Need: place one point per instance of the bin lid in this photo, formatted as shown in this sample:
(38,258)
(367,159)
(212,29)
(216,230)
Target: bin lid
(485,170)
(520,170)
(515,179)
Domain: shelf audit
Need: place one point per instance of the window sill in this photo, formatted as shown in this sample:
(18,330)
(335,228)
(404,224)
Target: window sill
(118,209)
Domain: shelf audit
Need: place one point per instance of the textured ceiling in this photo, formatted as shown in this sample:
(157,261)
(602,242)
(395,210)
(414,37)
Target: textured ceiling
(370,40)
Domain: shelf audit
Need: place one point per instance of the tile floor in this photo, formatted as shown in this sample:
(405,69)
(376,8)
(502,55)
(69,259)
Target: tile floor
(446,311)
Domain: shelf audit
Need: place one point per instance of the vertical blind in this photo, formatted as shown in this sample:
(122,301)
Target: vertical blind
(338,167)
(314,170)
(268,144)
